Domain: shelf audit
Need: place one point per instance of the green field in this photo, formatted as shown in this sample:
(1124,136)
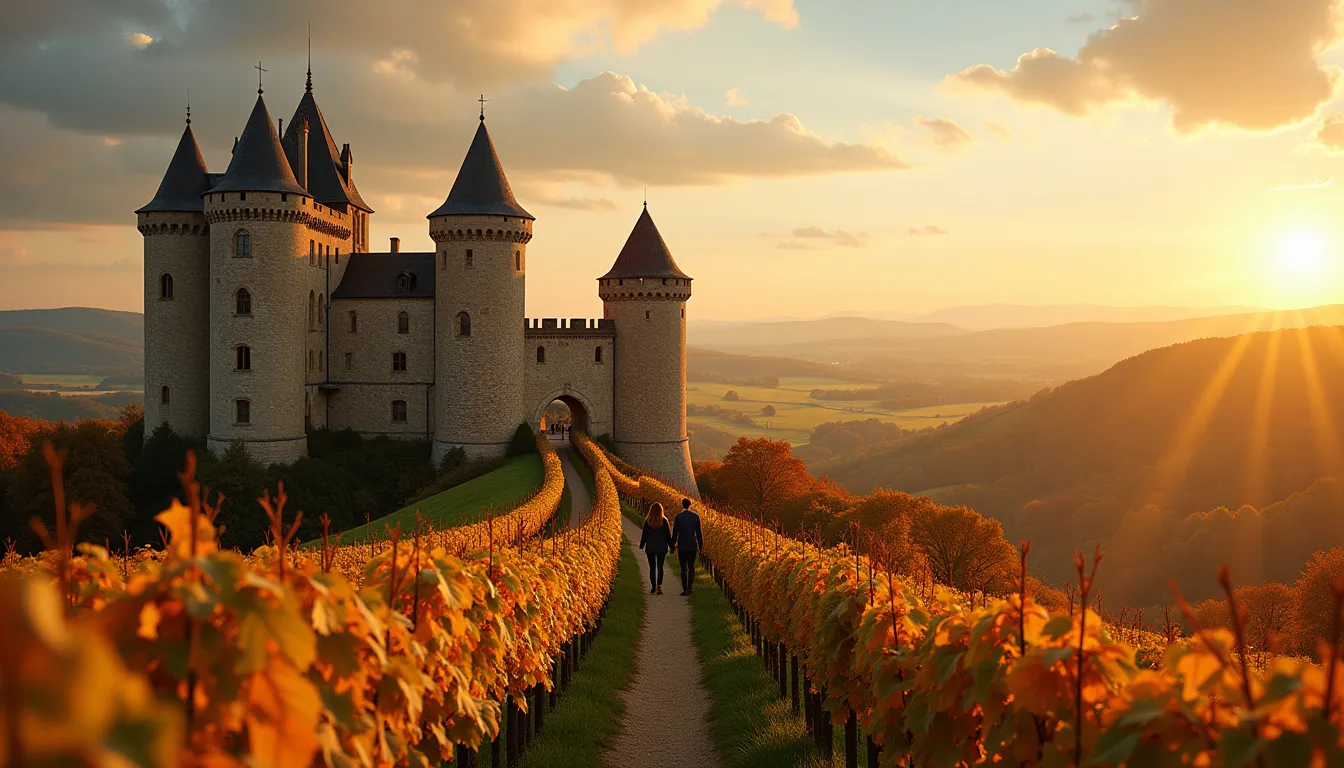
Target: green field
(500,490)
(59,379)
(796,414)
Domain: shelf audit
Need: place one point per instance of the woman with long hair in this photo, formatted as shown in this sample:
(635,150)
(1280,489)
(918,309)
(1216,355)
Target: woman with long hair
(655,540)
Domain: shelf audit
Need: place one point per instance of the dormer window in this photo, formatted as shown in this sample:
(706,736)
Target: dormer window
(405,281)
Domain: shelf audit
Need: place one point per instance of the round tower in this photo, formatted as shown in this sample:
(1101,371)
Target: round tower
(645,293)
(177,295)
(480,234)
(262,323)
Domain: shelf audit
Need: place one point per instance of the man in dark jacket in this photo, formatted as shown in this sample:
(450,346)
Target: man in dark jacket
(686,542)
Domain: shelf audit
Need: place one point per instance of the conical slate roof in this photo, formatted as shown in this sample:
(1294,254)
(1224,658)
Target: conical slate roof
(480,187)
(645,254)
(326,169)
(185,180)
(259,163)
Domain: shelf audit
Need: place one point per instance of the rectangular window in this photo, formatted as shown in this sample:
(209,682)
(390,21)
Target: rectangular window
(354,322)
(470,258)
(349,360)
(399,411)
(242,412)
(399,361)
(310,359)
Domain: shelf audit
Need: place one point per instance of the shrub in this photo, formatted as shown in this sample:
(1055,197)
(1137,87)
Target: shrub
(731,396)
(455,457)
(523,442)
(768,410)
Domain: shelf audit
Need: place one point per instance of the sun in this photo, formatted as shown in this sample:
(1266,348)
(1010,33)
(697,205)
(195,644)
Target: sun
(1301,253)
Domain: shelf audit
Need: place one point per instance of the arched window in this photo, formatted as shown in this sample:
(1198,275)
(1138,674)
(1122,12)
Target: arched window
(165,286)
(242,411)
(403,322)
(321,309)
(541,355)
(242,358)
(242,245)
(597,354)
(518,260)
(354,322)
(399,410)
(463,324)
(163,395)
(242,302)
(312,309)
(399,361)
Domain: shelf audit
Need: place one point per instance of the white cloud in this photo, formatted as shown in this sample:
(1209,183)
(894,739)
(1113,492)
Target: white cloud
(733,97)
(945,134)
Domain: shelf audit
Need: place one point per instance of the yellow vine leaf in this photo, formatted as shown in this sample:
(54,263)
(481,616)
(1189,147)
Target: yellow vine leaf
(282,718)
(149,622)
(177,519)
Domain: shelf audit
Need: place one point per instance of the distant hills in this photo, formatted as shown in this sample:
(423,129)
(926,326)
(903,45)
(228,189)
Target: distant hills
(72,340)
(1176,460)
(984,317)
(866,348)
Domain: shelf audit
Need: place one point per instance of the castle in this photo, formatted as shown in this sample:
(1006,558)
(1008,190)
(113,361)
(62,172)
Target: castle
(267,315)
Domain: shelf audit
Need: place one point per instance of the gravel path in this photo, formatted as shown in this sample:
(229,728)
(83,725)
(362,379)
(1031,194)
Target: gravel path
(667,707)
(580,505)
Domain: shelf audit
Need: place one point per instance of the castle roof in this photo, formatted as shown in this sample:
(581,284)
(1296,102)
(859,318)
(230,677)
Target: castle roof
(480,187)
(185,180)
(328,170)
(645,254)
(400,275)
(259,163)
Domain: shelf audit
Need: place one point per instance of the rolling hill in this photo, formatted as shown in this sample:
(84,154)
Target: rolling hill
(72,340)
(1175,460)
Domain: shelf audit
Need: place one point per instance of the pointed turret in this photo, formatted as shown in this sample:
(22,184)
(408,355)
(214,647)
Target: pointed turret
(329,179)
(259,163)
(185,180)
(645,254)
(481,188)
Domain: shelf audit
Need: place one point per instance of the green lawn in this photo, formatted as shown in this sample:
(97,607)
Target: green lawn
(588,715)
(751,726)
(499,490)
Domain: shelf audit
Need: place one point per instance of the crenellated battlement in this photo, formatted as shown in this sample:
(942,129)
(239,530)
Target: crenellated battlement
(570,328)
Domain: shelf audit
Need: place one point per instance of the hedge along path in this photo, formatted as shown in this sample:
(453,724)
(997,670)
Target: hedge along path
(666,718)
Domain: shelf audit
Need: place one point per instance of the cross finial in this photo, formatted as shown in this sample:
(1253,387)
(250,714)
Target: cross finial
(646,198)
(483,100)
(188,106)
(259,71)
(309,87)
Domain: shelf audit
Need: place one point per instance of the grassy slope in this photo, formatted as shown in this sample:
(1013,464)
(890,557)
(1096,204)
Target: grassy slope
(751,726)
(588,715)
(501,490)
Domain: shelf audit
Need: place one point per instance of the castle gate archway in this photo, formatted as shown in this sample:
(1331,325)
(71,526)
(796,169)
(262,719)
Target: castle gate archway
(571,361)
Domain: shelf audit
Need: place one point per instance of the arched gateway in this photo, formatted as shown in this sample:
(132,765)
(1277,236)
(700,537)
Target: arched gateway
(570,361)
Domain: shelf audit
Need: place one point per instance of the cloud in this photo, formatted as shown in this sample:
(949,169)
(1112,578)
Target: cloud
(1329,135)
(998,130)
(928,230)
(1245,64)
(139,40)
(1081,18)
(1321,183)
(399,63)
(811,237)
(733,97)
(945,134)
(580,203)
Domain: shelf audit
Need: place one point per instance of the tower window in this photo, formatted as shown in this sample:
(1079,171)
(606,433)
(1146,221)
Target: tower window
(354,322)
(463,324)
(518,261)
(320,362)
(597,354)
(471,261)
(399,361)
(242,412)
(321,309)
(242,302)
(284,197)
(242,245)
(242,196)
(242,358)
(444,258)
(399,411)
(163,395)
(312,309)
(165,286)
(541,355)
(311,359)
(338,255)
(403,322)
(312,252)
(349,360)
(648,315)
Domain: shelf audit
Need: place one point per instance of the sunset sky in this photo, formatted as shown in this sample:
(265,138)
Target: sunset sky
(801,158)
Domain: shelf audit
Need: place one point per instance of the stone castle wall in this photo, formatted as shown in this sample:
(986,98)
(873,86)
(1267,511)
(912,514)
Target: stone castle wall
(362,371)
(177,329)
(571,369)
(480,377)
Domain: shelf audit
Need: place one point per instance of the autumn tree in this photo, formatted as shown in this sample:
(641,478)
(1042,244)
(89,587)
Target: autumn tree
(760,474)
(731,396)
(1315,599)
(964,549)
(768,410)
(1269,613)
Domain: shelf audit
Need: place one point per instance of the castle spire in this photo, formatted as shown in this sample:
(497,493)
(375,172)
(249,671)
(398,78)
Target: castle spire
(645,254)
(259,163)
(185,180)
(308,88)
(481,187)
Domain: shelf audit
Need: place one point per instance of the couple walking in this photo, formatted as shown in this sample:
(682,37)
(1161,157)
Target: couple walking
(681,535)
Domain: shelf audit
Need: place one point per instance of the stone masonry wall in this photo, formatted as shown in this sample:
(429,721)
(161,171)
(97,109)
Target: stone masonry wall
(177,330)
(479,377)
(361,366)
(571,369)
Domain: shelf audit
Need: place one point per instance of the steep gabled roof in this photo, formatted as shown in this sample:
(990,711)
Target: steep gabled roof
(480,187)
(327,170)
(380,276)
(259,163)
(185,180)
(645,254)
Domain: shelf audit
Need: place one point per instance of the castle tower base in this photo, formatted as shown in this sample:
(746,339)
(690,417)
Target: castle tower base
(474,450)
(669,462)
(280,451)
